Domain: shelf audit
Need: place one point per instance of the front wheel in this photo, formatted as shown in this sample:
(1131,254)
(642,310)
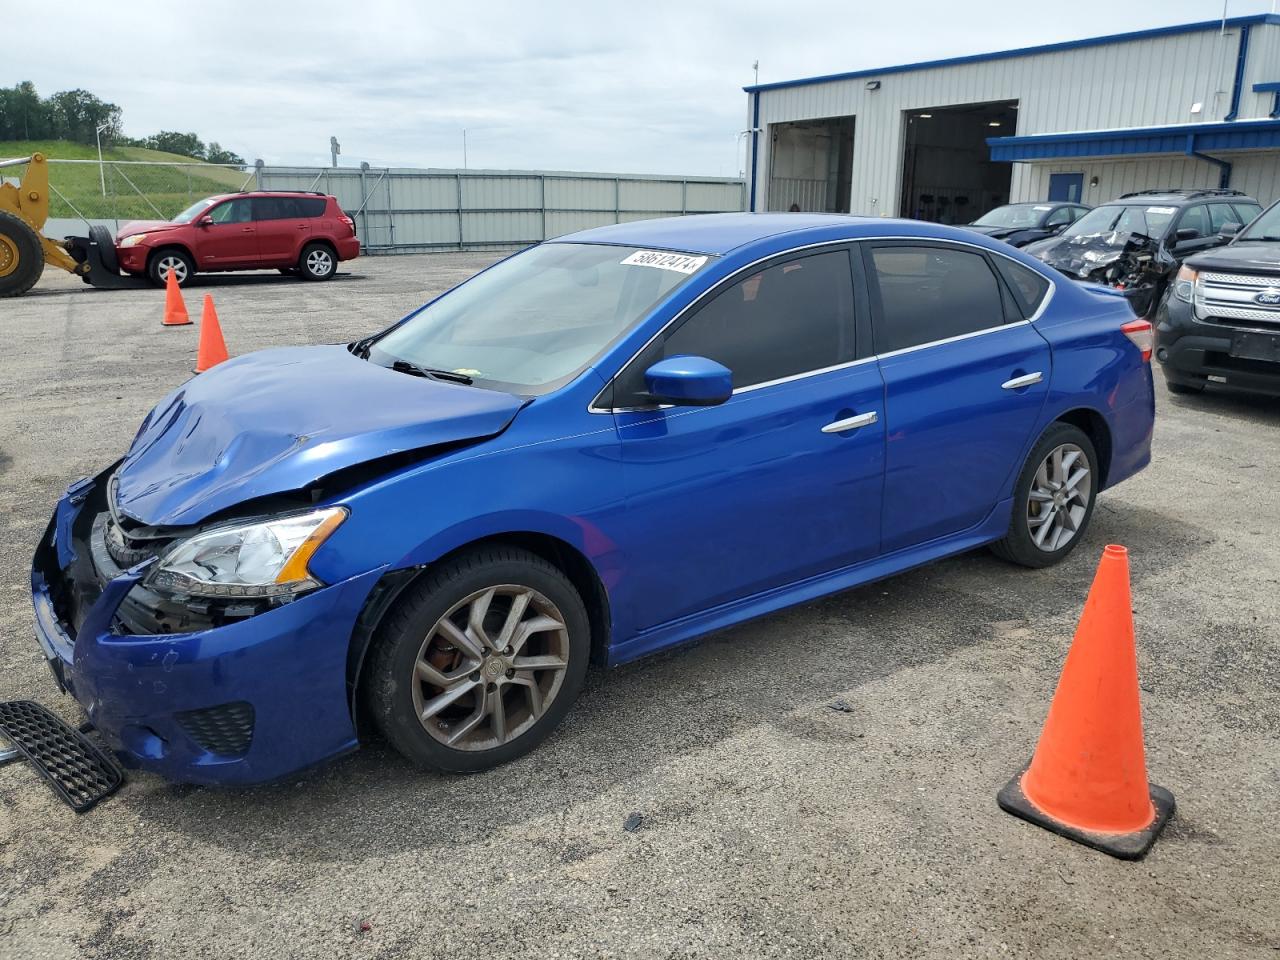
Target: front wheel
(479,661)
(164,262)
(1053,499)
(317,262)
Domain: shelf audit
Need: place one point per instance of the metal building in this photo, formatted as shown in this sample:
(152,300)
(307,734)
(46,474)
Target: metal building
(1191,105)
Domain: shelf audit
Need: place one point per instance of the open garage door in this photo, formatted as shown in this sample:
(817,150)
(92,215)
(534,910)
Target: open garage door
(948,175)
(811,165)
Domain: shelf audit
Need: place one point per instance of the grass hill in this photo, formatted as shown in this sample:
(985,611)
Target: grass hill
(158,187)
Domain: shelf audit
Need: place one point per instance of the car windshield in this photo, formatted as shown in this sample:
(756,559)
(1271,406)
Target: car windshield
(1151,221)
(1013,215)
(189,214)
(536,320)
(1265,227)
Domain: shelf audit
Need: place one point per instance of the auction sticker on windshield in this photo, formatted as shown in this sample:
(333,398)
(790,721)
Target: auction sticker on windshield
(1167,211)
(679,262)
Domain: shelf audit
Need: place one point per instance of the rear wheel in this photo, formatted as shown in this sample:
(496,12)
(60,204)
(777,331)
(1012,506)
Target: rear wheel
(1053,499)
(318,262)
(21,256)
(163,262)
(479,661)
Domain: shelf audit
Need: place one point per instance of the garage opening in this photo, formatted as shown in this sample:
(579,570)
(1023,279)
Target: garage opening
(811,165)
(948,175)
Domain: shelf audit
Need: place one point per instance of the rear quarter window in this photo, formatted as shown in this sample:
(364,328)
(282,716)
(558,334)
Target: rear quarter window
(1029,288)
(312,206)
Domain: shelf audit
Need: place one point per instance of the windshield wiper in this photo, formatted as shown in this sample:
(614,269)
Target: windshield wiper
(405,366)
(361,347)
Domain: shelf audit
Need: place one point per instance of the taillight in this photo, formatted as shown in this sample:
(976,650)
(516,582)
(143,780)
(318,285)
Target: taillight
(350,223)
(1142,335)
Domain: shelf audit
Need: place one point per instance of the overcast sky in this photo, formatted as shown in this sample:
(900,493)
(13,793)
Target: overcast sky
(637,87)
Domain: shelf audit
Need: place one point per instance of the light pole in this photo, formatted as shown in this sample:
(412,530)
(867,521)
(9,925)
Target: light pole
(102,175)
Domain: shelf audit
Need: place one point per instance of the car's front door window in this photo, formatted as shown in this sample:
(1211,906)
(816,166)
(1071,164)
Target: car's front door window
(787,319)
(233,211)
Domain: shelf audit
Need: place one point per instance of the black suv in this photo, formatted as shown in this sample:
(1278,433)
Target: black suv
(1136,243)
(1220,320)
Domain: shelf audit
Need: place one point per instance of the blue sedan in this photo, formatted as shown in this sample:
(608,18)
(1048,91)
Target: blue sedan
(599,447)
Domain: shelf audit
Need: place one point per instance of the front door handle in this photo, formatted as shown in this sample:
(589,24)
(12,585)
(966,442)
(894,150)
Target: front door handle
(851,423)
(1026,380)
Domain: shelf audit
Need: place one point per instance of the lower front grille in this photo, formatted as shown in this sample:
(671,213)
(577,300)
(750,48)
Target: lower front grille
(225,730)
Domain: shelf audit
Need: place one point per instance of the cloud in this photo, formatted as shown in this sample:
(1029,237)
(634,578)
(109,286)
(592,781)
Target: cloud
(650,87)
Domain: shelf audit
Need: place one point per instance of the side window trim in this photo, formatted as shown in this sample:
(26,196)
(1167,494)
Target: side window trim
(602,403)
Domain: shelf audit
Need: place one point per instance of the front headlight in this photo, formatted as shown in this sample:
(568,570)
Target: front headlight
(266,559)
(133,241)
(1185,284)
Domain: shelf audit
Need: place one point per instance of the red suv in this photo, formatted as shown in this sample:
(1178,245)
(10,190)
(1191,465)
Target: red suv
(304,233)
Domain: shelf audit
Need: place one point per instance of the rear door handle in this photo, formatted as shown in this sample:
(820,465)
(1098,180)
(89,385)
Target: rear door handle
(851,423)
(1026,380)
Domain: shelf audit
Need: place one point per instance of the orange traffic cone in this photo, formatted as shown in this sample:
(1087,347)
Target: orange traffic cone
(175,308)
(1088,778)
(213,349)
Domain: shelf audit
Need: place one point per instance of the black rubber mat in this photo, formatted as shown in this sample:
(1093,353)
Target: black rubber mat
(79,772)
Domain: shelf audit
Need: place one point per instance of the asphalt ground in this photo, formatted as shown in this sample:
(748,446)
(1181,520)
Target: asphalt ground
(819,783)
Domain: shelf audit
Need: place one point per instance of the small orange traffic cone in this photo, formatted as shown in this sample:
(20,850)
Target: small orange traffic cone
(175,308)
(213,349)
(1088,778)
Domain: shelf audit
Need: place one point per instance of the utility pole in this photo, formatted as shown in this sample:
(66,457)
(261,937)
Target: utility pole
(335,148)
(464,148)
(102,174)
(756,67)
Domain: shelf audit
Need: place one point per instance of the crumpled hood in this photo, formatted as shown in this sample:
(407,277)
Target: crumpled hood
(144,226)
(278,420)
(1082,257)
(1261,257)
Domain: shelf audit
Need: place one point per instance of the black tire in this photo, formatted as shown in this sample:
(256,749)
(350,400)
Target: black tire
(1183,388)
(389,677)
(155,266)
(317,262)
(21,256)
(106,247)
(1018,545)
(288,271)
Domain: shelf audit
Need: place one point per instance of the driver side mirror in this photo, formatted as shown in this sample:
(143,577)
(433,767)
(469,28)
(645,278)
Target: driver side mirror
(1186,233)
(689,382)
(1229,229)
(205,221)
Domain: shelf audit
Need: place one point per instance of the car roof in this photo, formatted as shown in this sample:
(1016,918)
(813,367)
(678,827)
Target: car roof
(267,193)
(1177,199)
(719,233)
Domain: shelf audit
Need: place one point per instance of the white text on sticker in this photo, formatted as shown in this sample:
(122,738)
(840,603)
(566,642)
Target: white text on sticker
(679,262)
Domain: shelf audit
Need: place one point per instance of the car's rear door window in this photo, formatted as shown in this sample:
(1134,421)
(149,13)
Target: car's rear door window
(275,208)
(929,293)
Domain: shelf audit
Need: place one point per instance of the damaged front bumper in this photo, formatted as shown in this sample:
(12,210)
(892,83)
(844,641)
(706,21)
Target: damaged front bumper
(244,702)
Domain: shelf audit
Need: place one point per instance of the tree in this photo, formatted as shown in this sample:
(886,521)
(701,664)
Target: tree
(186,144)
(23,115)
(77,114)
(216,154)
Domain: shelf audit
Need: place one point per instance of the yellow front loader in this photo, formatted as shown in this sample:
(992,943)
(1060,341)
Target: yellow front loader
(24,250)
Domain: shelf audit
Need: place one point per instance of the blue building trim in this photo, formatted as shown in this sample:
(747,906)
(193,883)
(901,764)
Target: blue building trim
(1173,30)
(755,149)
(1236,135)
(1242,54)
(1274,90)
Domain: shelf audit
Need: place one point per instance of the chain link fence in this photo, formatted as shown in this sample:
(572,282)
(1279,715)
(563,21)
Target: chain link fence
(396,210)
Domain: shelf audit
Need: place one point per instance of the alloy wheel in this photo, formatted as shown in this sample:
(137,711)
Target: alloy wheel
(176,265)
(319,262)
(490,667)
(1059,500)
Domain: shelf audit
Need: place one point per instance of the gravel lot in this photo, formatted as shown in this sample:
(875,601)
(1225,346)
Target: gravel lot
(773,825)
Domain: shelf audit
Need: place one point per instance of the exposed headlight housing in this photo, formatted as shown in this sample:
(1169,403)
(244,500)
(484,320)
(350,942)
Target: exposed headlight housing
(1184,285)
(133,241)
(264,559)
